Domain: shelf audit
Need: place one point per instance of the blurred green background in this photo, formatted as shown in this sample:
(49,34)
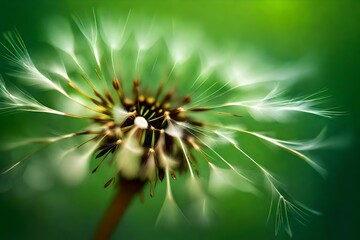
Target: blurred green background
(328,31)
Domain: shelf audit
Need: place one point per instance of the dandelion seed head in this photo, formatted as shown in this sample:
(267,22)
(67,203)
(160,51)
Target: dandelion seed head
(159,100)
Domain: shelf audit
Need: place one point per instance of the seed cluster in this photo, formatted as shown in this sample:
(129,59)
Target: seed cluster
(152,122)
(150,133)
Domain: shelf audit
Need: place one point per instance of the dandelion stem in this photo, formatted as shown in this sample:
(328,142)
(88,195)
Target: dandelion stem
(128,189)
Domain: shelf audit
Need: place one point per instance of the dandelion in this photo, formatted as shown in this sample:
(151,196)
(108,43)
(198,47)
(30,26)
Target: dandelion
(154,101)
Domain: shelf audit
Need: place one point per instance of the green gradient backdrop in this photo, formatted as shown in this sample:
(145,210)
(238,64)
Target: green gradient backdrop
(329,31)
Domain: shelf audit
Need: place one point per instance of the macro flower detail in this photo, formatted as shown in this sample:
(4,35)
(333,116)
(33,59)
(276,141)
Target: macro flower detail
(155,101)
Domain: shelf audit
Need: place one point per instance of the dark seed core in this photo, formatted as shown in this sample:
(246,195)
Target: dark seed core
(158,110)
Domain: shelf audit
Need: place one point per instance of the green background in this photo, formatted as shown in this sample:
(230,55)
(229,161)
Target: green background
(329,31)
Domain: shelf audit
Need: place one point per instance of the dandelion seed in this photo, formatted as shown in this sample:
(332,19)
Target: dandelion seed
(157,107)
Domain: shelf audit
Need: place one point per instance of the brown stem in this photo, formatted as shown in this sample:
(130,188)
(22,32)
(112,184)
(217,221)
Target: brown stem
(128,189)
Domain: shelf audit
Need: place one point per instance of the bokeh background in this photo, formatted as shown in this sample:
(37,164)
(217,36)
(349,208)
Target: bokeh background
(327,31)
